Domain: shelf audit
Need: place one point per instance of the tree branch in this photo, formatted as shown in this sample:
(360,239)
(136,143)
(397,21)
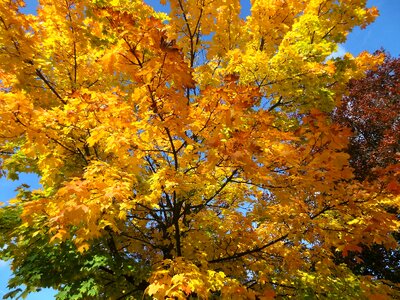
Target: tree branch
(251,251)
(41,76)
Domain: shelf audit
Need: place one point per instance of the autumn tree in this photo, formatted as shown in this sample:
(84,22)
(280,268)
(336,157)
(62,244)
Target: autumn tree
(185,155)
(372,109)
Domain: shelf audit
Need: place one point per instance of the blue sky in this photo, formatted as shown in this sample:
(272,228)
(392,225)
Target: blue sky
(383,33)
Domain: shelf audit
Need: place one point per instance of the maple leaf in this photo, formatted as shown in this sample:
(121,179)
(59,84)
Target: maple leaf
(189,155)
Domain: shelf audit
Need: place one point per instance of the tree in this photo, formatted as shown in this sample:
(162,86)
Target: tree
(371,109)
(188,155)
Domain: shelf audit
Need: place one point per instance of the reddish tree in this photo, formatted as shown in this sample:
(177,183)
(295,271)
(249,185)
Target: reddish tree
(372,111)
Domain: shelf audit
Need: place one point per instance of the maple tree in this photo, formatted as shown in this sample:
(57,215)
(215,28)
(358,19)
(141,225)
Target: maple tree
(371,110)
(185,155)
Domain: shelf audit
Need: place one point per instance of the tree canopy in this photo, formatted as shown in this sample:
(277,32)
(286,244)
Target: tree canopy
(371,109)
(186,155)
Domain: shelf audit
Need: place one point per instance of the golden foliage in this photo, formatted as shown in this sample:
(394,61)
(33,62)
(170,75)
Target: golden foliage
(200,141)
